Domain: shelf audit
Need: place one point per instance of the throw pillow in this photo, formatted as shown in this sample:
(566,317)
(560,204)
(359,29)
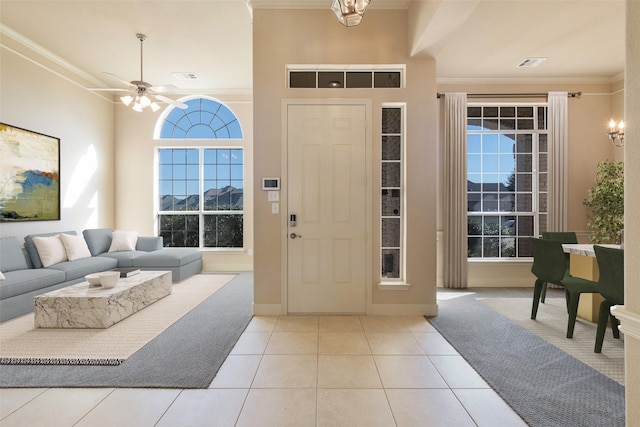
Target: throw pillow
(50,250)
(75,246)
(123,241)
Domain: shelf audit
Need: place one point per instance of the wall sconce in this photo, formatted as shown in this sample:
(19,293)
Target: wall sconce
(349,12)
(616,133)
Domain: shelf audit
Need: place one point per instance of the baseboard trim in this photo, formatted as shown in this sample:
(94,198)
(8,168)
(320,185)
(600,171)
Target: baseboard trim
(376,310)
(267,309)
(404,309)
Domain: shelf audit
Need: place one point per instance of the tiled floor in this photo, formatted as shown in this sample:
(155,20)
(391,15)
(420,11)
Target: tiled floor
(296,371)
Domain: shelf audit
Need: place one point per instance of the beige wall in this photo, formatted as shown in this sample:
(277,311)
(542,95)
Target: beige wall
(631,326)
(41,98)
(134,172)
(284,37)
(589,144)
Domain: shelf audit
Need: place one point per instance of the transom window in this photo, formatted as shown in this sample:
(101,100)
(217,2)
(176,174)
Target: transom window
(202,119)
(506,178)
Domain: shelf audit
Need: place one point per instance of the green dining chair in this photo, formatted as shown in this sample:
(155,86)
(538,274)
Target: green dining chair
(569,237)
(550,266)
(611,287)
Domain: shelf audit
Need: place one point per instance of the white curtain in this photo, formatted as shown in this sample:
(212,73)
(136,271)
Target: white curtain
(558,141)
(455,190)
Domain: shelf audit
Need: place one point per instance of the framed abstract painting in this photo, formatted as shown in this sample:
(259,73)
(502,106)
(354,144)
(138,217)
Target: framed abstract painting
(29,175)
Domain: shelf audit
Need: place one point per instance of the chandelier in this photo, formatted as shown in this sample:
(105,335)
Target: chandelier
(349,12)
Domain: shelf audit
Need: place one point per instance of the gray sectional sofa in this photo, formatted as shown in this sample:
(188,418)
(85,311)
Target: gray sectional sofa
(25,276)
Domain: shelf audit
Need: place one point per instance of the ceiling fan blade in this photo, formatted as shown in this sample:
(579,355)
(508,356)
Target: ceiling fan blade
(171,101)
(123,81)
(163,89)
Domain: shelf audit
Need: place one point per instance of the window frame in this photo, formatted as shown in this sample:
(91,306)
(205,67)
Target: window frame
(401,279)
(200,212)
(537,176)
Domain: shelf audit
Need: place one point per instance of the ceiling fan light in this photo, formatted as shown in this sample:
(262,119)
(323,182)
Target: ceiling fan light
(145,101)
(154,107)
(126,100)
(137,107)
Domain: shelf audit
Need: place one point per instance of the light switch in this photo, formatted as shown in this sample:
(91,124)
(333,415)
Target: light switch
(273,196)
(275,208)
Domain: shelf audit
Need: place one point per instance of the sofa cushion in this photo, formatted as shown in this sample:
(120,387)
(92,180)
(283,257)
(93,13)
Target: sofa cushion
(98,240)
(11,255)
(124,258)
(50,250)
(79,268)
(149,243)
(20,282)
(123,241)
(75,246)
(33,251)
(167,257)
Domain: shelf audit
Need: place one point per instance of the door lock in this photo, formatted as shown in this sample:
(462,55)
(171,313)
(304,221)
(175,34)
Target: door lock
(294,235)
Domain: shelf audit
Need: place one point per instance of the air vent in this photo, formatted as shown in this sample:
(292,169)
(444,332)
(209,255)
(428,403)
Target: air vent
(531,62)
(185,76)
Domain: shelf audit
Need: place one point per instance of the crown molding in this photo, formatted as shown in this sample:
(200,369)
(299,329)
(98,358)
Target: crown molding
(46,54)
(530,80)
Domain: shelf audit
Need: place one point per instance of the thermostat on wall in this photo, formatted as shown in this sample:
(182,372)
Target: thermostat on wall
(271,183)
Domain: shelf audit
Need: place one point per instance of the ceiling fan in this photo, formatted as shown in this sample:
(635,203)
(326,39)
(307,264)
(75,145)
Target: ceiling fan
(143,93)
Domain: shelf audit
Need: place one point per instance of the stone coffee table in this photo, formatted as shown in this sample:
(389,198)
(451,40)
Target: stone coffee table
(88,306)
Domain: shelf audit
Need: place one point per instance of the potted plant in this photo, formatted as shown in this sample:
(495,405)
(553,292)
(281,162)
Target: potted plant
(606,200)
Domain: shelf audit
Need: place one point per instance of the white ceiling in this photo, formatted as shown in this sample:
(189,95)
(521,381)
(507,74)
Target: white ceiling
(472,40)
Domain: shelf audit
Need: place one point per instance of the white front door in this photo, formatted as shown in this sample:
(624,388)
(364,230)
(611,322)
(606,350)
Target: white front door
(327,194)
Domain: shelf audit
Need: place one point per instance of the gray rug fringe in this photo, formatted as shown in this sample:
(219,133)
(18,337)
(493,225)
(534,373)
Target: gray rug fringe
(58,361)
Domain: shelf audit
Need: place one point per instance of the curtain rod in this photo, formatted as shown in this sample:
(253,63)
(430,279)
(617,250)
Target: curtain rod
(512,95)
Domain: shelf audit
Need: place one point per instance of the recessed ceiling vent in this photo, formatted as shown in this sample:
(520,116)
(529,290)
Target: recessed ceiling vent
(531,62)
(185,76)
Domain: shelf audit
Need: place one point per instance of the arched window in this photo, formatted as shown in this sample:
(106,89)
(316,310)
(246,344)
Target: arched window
(204,118)
(200,191)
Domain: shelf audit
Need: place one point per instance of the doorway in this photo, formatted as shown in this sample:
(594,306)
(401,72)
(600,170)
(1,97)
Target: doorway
(327,208)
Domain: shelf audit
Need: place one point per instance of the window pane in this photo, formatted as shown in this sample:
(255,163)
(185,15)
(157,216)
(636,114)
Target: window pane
(474,163)
(302,79)
(474,202)
(474,144)
(391,174)
(359,79)
(391,148)
(390,232)
(390,202)
(329,79)
(474,249)
(390,263)
(391,120)
(387,79)
(490,143)
(223,231)
(179,230)
(490,163)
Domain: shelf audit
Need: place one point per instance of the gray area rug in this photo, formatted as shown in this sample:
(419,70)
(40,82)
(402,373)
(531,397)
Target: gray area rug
(188,354)
(544,385)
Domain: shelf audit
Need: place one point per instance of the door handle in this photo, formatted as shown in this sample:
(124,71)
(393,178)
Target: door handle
(294,235)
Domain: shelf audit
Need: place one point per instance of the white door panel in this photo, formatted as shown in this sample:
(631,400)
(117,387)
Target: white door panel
(327,193)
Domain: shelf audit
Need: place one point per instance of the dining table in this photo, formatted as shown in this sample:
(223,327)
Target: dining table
(583,264)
